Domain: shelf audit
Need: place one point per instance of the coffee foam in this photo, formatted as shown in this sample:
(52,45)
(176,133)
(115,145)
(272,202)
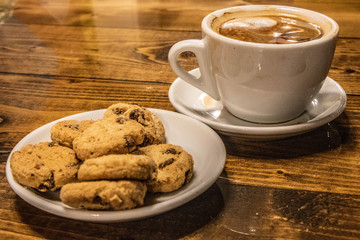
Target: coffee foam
(253,23)
(266,27)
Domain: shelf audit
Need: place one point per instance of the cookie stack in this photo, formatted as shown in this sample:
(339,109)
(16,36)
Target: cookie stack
(110,163)
(116,181)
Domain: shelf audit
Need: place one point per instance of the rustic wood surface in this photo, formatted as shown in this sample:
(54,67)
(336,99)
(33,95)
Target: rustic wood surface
(63,57)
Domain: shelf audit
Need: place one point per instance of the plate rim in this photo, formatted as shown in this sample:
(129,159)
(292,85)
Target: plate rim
(258,131)
(62,210)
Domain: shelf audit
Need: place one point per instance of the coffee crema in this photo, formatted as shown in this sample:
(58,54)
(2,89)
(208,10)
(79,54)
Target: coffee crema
(271,29)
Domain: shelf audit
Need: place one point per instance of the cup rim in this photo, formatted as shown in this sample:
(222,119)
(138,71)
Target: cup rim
(330,35)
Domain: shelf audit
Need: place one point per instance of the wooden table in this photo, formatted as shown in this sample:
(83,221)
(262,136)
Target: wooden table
(64,57)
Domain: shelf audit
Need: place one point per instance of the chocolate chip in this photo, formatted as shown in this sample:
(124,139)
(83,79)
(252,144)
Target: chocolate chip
(121,120)
(147,141)
(171,151)
(166,163)
(97,200)
(187,177)
(118,111)
(52,144)
(73,126)
(136,114)
(48,183)
(38,166)
(130,142)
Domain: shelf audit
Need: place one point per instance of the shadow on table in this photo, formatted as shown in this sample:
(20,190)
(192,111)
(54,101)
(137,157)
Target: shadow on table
(328,137)
(255,212)
(176,223)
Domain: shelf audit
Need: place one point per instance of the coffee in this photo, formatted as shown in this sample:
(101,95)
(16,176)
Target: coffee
(261,82)
(266,28)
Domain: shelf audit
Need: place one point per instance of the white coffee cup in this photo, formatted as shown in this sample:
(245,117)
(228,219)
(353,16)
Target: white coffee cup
(260,82)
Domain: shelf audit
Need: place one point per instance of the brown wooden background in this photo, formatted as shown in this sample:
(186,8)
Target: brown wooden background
(63,57)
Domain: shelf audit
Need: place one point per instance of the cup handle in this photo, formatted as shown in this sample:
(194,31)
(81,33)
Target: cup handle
(206,82)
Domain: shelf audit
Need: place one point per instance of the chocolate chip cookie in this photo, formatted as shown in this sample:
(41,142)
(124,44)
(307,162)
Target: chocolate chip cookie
(159,130)
(154,129)
(118,166)
(44,166)
(109,136)
(174,166)
(111,195)
(64,132)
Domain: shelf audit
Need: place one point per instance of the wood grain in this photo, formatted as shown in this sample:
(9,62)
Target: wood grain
(59,58)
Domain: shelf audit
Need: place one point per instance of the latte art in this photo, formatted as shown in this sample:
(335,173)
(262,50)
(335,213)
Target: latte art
(255,23)
(269,29)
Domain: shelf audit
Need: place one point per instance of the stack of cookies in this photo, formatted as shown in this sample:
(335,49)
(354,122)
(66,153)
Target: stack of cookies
(110,163)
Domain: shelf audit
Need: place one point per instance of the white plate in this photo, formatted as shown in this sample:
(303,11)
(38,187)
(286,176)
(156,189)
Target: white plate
(328,105)
(198,139)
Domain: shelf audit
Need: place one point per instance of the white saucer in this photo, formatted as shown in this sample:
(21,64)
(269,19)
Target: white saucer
(199,140)
(328,105)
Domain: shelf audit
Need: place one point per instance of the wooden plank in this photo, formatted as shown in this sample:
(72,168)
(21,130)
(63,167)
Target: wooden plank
(325,160)
(224,211)
(123,54)
(166,15)
(119,14)
(59,58)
